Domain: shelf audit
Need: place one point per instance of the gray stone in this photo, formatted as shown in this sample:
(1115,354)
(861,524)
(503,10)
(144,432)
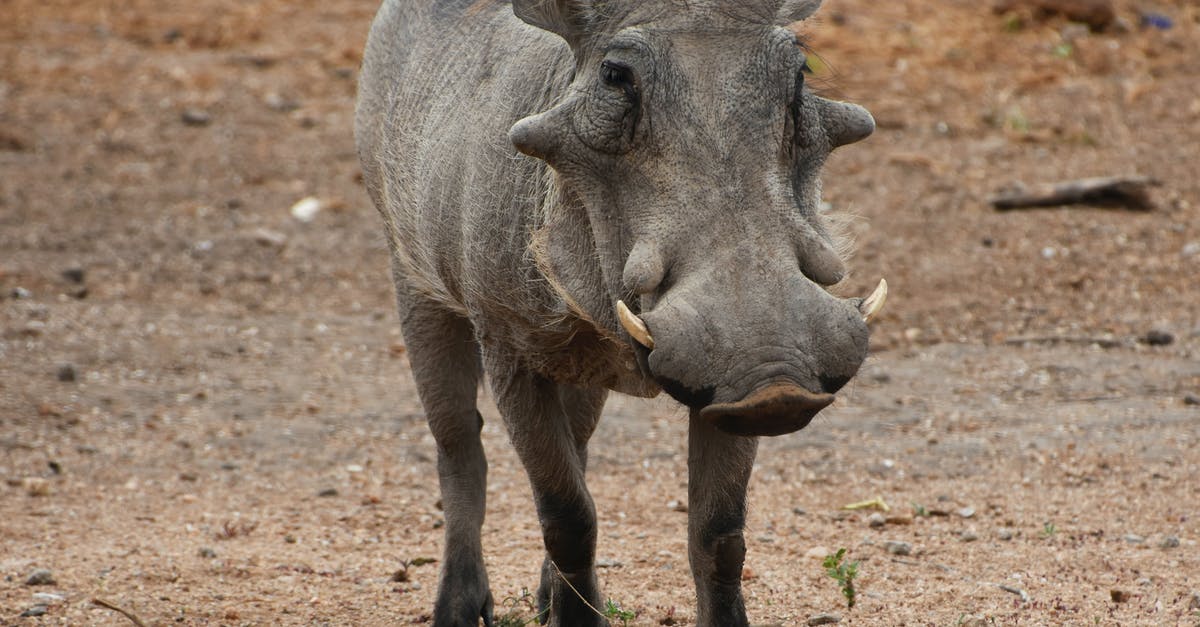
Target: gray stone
(41,577)
(895,547)
(823,619)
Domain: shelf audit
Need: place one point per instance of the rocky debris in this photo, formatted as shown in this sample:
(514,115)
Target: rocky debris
(1169,542)
(1004,533)
(41,577)
(966,512)
(823,619)
(1118,595)
(1194,604)
(1098,14)
(206,552)
(1191,399)
(327,492)
(36,610)
(1134,538)
(876,520)
(677,505)
(896,547)
(968,535)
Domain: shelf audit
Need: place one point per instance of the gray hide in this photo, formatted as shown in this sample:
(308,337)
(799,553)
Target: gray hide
(537,162)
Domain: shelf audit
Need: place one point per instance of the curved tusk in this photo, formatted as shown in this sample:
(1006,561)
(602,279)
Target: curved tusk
(871,305)
(634,326)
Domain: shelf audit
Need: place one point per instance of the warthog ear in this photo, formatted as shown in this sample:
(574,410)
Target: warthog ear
(797,10)
(561,17)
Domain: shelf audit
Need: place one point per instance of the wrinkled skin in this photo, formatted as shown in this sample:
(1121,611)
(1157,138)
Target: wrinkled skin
(535,163)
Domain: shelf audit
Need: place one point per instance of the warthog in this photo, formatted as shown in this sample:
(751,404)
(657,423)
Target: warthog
(582,196)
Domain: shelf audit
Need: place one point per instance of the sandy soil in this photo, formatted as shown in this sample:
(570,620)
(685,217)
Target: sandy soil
(206,416)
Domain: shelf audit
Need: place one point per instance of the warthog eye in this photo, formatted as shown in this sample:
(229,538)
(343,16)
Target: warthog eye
(619,76)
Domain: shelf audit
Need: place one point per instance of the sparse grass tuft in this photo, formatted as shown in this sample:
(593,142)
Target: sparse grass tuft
(519,611)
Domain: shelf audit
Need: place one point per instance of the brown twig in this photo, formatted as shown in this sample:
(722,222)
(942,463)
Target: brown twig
(132,617)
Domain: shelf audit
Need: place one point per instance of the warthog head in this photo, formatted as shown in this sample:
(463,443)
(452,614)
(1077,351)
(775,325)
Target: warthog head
(691,141)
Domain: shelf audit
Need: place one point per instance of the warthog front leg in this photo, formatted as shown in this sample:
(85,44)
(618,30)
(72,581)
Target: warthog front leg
(446,365)
(549,426)
(719,467)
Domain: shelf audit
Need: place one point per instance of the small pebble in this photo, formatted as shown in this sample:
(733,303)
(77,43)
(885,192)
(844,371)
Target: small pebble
(41,577)
(207,552)
(21,293)
(896,547)
(47,598)
(1169,542)
(677,506)
(1118,596)
(968,535)
(1156,337)
(289,538)
(824,619)
(1004,533)
(966,512)
(328,492)
(36,486)
(818,552)
(306,209)
(799,511)
(1133,538)
(1194,604)
(74,274)
(195,117)
(608,562)
(37,610)
(66,373)
(1191,399)
(876,520)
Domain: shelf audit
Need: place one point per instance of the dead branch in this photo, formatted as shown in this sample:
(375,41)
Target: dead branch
(1130,192)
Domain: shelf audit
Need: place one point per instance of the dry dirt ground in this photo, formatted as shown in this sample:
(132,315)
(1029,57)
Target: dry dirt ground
(206,415)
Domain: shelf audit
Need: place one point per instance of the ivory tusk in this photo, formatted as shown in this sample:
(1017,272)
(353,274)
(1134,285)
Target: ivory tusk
(634,326)
(871,305)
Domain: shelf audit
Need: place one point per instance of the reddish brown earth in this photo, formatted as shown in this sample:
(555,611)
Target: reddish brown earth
(227,364)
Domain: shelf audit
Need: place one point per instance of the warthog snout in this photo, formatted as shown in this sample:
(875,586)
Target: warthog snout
(758,371)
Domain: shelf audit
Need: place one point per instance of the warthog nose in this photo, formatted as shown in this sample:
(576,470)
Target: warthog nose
(776,409)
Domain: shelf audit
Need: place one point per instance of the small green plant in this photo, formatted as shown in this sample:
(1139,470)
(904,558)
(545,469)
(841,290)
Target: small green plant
(844,573)
(1049,529)
(1063,50)
(520,611)
(613,611)
(920,511)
